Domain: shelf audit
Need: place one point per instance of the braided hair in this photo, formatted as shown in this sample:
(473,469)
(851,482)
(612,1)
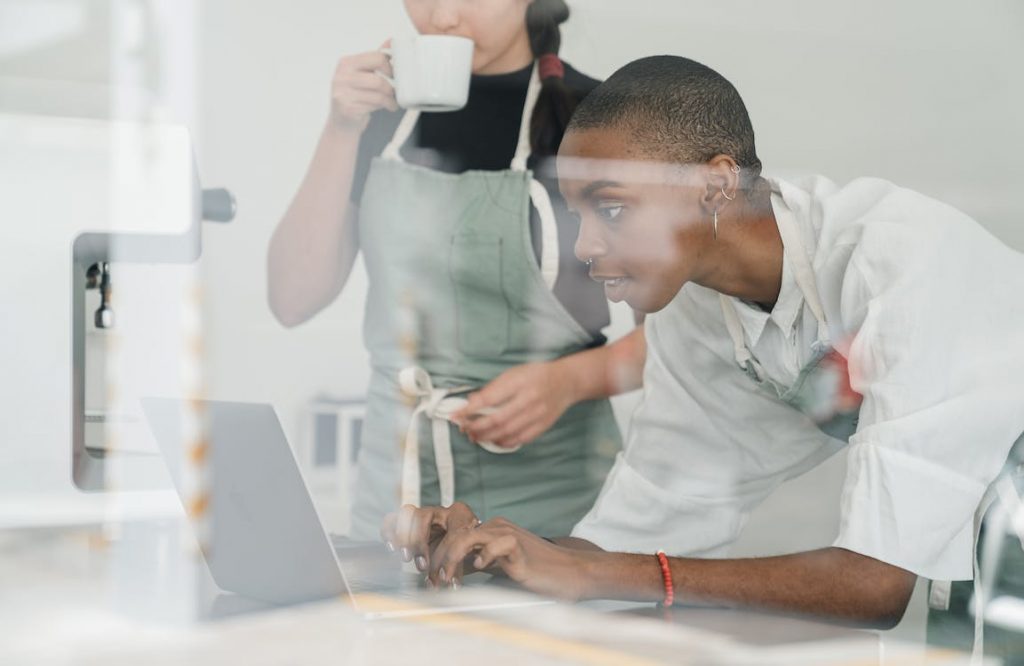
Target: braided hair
(556,101)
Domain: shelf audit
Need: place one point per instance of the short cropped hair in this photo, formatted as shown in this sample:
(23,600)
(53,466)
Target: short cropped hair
(675,108)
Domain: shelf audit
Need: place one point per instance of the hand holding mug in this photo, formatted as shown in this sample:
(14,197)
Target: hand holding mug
(360,86)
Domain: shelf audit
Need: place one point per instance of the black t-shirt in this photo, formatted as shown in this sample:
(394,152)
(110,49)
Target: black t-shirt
(482,136)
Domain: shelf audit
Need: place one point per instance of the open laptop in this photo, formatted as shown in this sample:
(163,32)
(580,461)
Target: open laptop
(267,541)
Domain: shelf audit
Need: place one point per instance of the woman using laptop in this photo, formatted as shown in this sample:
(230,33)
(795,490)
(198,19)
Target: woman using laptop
(789,319)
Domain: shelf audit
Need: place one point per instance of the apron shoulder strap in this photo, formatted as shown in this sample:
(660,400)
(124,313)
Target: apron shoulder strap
(523,148)
(803,270)
(401,135)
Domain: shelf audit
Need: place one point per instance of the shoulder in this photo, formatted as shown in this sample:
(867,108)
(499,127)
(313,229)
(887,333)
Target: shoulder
(879,219)
(881,243)
(579,82)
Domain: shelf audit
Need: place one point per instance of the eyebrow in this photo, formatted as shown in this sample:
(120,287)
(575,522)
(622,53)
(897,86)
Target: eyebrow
(589,190)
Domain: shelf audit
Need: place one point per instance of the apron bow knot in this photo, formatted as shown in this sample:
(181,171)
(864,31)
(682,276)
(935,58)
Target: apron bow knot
(438,405)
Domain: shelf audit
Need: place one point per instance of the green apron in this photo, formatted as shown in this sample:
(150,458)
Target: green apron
(814,392)
(456,297)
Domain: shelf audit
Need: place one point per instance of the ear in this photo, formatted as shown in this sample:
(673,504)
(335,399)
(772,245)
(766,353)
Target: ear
(722,182)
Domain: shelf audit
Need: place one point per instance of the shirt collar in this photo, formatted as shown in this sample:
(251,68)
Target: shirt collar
(791,300)
(789,303)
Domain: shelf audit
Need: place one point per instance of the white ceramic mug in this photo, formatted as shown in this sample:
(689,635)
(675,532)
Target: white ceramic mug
(431,71)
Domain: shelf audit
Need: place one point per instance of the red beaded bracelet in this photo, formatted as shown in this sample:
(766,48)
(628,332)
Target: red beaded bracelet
(666,576)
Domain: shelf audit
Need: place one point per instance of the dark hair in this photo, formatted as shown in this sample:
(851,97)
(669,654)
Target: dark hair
(675,108)
(556,102)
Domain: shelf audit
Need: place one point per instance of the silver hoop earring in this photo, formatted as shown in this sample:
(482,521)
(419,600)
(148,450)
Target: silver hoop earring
(735,168)
(726,195)
(588,262)
(715,225)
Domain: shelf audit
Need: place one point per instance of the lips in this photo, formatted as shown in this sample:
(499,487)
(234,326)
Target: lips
(614,286)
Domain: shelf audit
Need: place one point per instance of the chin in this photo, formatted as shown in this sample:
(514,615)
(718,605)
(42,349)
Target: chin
(651,301)
(647,304)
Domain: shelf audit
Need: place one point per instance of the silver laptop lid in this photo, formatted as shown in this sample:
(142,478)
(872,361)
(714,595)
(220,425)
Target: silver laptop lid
(266,539)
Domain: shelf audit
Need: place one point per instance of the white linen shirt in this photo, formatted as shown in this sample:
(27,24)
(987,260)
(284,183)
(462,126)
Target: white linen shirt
(927,307)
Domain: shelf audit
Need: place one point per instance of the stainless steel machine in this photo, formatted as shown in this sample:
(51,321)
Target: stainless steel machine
(100,222)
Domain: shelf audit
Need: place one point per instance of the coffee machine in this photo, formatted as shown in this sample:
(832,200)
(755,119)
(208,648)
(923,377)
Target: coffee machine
(100,222)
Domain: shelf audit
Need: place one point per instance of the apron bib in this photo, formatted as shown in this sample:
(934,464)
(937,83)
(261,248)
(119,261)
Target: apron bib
(819,386)
(456,297)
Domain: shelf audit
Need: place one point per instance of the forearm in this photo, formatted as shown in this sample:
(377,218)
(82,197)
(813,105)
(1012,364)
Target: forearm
(832,582)
(576,544)
(314,246)
(610,369)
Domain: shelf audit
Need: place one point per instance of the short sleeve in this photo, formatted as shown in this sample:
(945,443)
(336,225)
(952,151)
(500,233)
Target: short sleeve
(937,359)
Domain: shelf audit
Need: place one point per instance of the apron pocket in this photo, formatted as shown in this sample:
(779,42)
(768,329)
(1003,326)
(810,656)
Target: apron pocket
(481,308)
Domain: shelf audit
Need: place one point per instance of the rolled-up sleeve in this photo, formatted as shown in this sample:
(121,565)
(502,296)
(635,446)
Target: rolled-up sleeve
(941,381)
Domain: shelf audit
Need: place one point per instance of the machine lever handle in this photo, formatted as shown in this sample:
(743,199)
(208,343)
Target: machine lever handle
(218,205)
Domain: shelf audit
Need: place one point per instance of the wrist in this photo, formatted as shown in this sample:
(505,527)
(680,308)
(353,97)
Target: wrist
(574,377)
(344,131)
(592,569)
(621,576)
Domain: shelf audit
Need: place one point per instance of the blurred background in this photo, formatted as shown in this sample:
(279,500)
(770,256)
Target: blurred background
(927,94)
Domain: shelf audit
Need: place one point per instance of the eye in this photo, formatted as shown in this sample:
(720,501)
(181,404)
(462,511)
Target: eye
(609,211)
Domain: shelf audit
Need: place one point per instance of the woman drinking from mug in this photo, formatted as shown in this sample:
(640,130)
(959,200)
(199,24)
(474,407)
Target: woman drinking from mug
(473,287)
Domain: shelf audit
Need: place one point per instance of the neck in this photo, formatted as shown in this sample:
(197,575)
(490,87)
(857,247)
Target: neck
(746,258)
(517,56)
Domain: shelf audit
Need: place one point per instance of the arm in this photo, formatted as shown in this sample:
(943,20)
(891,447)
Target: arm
(528,399)
(833,583)
(607,370)
(314,246)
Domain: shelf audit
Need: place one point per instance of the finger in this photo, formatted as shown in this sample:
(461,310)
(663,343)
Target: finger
(525,428)
(387,530)
(363,81)
(450,553)
(494,552)
(342,95)
(495,425)
(418,544)
(488,418)
(514,431)
(368,102)
(404,529)
(367,62)
(499,390)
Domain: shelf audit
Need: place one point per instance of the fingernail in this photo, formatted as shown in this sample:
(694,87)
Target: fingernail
(390,546)
(406,555)
(421,563)
(478,562)
(456,585)
(442,575)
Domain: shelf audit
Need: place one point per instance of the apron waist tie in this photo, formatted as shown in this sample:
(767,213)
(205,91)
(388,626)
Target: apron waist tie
(438,405)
